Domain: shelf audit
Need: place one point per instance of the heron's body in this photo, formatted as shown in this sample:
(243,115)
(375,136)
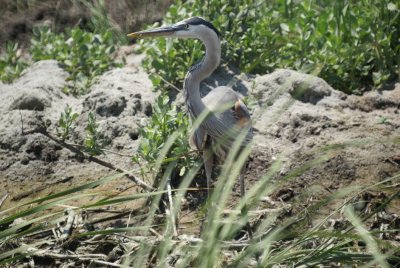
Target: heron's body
(227,116)
(231,117)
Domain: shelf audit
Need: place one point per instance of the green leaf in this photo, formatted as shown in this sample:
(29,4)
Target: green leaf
(284,27)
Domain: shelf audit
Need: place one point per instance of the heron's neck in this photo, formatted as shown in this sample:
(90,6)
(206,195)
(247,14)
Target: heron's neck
(199,72)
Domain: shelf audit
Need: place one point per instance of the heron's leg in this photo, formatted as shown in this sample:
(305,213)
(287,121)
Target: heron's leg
(208,158)
(241,179)
(242,193)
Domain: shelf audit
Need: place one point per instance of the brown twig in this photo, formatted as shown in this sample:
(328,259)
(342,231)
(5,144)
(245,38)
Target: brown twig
(80,257)
(110,264)
(3,198)
(105,150)
(256,212)
(169,83)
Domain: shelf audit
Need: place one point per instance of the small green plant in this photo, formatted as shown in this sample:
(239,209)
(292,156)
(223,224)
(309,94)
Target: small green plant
(65,122)
(11,63)
(83,55)
(165,121)
(353,45)
(95,140)
(383,120)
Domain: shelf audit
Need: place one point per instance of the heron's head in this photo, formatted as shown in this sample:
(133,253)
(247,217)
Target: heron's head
(194,27)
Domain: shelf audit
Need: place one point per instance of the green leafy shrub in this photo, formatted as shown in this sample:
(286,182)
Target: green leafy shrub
(65,122)
(83,54)
(165,121)
(351,44)
(11,63)
(95,140)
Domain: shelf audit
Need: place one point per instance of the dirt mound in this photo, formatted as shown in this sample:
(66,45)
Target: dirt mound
(120,100)
(299,118)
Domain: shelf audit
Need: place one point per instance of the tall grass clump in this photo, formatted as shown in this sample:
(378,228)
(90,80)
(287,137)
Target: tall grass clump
(84,55)
(353,45)
(100,21)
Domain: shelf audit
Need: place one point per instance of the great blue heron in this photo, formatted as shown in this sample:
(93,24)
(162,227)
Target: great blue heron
(228,116)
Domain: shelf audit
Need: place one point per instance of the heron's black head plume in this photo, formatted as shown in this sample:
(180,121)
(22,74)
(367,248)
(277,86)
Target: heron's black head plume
(201,21)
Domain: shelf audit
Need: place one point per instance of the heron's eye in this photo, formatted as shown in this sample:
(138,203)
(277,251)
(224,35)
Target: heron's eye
(186,26)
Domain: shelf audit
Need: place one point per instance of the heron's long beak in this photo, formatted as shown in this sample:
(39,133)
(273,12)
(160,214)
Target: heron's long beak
(158,32)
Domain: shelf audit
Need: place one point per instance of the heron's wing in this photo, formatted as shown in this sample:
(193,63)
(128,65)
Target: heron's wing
(231,115)
(227,105)
(197,139)
(220,99)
